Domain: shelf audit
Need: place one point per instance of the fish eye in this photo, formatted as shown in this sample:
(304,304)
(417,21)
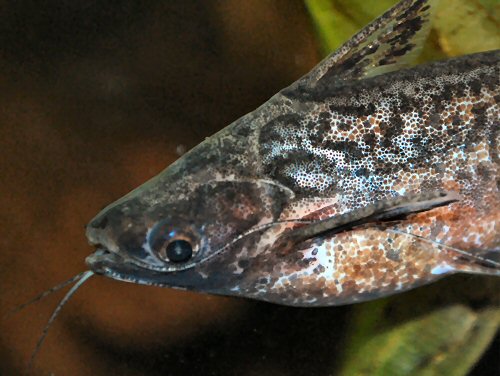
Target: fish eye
(178,251)
(174,244)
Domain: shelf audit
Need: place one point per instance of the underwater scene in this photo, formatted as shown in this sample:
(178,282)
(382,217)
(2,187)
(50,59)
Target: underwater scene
(347,222)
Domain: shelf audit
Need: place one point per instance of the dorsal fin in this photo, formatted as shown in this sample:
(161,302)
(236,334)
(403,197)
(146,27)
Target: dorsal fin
(389,43)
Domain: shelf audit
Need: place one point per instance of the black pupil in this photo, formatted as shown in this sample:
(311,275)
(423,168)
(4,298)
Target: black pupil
(179,251)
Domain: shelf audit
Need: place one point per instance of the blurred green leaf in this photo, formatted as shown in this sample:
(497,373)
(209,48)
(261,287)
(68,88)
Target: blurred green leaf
(338,20)
(459,26)
(446,342)
(464,27)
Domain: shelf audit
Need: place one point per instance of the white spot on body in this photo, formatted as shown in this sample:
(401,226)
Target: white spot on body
(442,269)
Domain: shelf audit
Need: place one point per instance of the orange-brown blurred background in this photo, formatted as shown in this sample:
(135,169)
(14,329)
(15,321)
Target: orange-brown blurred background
(95,98)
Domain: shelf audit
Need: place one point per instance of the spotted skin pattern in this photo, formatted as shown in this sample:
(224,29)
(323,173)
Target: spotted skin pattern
(358,132)
(431,128)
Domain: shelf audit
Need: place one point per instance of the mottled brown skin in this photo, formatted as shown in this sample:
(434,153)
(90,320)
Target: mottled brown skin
(356,131)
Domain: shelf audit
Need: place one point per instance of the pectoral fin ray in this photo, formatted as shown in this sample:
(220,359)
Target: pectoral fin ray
(382,211)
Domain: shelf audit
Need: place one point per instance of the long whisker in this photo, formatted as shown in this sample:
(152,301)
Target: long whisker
(257,229)
(44,294)
(454,249)
(84,277)
(250,231)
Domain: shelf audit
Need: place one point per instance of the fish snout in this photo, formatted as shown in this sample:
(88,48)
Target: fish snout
(99,222)
(100,230)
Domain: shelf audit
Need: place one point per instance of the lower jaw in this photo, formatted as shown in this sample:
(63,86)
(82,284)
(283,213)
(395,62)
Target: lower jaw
(97,261)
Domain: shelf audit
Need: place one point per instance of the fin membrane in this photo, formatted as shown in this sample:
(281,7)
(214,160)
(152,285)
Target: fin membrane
(389,43)
(385,210)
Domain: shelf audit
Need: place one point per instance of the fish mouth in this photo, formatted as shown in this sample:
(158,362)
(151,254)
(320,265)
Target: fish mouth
(106,263)
(101,261)
(112,265)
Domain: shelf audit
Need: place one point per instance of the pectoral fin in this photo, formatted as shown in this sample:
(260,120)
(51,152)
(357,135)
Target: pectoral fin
(385,210)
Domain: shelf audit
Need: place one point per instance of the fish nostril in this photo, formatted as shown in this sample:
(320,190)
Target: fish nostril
(100,223)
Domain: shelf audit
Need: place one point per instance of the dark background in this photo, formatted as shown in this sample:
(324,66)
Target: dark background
(95,98)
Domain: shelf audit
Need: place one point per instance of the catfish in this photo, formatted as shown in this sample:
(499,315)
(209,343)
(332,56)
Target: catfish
(367,177)
(253,210)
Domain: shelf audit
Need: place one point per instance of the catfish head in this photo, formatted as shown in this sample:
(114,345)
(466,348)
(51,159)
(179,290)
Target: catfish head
(187,228)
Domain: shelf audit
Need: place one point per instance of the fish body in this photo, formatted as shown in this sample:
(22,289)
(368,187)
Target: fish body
(362,179)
